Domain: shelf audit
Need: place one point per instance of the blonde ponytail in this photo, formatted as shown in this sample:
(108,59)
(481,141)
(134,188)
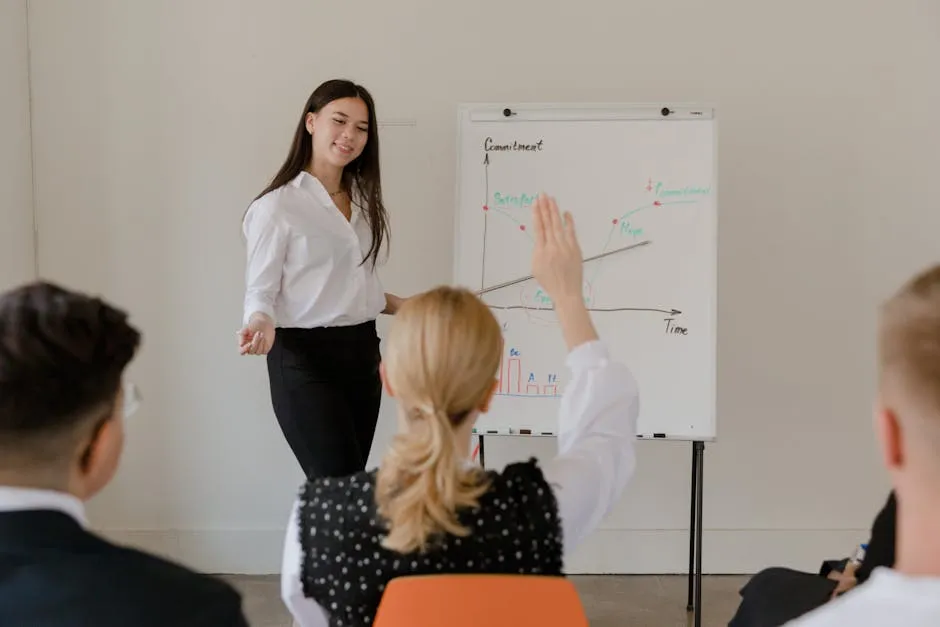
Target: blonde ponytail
(443,354)
(421,485)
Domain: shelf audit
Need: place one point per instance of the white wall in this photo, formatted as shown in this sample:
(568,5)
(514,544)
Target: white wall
(17,259)
(155,124)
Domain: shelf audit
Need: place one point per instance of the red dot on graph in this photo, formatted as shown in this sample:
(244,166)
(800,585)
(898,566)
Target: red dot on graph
(616,220)
(522,227)
(485,208)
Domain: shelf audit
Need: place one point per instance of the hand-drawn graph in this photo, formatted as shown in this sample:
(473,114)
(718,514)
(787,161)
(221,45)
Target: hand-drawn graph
(624,228)
(643,188)
(511,208)
(515,380)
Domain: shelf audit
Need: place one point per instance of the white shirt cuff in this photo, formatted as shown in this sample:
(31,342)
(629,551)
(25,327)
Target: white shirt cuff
(257,307)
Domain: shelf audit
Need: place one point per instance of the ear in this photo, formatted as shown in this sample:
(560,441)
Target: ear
(309,120)
(384,377)
(485,406)
(99,458)
(891,437)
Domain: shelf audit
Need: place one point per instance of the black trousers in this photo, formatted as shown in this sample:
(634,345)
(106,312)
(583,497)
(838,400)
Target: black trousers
(776,596)
(326,392)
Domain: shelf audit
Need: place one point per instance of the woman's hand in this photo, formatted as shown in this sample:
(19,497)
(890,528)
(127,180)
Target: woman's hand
(558,267)
(556,261)
(257,337)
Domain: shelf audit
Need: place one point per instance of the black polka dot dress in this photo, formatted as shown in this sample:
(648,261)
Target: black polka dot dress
(515,530)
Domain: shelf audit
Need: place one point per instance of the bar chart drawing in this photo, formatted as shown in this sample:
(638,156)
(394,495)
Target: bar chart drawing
(513,383)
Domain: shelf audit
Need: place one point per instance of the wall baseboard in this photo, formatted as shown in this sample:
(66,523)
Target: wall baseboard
(724,551)
(606,551)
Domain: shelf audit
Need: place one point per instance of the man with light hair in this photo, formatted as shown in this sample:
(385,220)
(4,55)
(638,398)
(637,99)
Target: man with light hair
(907,419)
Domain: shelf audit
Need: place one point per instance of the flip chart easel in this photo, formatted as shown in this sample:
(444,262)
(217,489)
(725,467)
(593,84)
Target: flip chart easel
(628,174)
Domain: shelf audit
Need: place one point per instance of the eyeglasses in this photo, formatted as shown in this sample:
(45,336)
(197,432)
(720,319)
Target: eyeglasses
(132,399)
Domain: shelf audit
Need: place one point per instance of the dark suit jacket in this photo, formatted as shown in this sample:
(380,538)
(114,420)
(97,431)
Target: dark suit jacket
(883,541)
(54,573)
(775,596)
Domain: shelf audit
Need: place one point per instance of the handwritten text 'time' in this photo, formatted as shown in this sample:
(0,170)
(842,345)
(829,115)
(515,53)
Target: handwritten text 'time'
(673,329)
(489,145)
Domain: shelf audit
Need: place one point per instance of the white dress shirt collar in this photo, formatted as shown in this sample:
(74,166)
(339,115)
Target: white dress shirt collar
(19,499)
(312,184)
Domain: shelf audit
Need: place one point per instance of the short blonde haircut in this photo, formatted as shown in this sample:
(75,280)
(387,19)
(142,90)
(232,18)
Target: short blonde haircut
(909,346)
(442,356)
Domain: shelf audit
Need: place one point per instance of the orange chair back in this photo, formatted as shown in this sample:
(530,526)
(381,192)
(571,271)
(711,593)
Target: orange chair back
(475,600)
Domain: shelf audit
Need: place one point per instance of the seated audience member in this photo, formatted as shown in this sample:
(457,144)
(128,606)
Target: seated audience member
(428,509)
(908,425)
(62,359)
(879,550)
(776,595)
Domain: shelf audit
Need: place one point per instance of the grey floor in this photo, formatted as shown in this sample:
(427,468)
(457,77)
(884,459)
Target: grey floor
(621,601)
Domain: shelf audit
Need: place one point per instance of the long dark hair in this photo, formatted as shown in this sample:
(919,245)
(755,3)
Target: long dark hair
(361,178)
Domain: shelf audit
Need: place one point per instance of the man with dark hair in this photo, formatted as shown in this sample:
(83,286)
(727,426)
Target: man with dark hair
(62,407)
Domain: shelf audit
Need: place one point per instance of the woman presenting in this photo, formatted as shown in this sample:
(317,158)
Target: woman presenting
(313,240)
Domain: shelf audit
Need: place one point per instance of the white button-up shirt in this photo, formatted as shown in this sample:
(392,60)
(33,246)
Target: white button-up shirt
(20,499)
(595,460)
(888,597)
(305,259)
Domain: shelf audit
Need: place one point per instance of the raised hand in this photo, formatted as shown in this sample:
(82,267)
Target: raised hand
(558,267)
(556,260)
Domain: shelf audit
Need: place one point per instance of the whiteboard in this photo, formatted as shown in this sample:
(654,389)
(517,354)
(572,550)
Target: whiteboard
(628,174)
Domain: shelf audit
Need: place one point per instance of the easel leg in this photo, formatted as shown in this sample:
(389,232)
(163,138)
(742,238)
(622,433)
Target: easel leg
(699,447)
(692,503)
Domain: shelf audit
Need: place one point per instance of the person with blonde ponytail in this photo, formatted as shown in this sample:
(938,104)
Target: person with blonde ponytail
(428,509)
